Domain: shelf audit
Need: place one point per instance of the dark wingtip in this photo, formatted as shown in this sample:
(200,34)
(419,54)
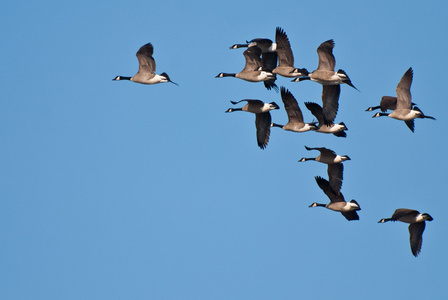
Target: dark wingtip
(270,85)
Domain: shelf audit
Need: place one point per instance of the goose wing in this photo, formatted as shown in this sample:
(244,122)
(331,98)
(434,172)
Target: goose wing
(251,101)
(351,215)
(146,63)
(416,237)
(330,102)
(401,212)
(285,56)
(335,176)
(323,151)
(269,61)
(388,102)
(327,61)
(316,110)
(291,106)
(263,125)
(325,186)
(410,124)
(404,90)
(253,60)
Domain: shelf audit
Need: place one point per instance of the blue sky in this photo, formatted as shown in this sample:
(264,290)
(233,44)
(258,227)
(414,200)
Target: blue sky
(116,190)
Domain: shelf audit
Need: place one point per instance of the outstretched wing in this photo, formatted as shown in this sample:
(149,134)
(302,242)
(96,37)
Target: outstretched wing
(285,56)
(253,60)
(401,212)
(404,90)
(351,215)
(330,102)
(326,58)
(291,106)
(146,63)
(416,237)
(335,176)
(316,110)
(263,125)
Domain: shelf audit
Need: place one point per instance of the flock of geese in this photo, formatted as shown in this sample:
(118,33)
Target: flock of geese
(265,60)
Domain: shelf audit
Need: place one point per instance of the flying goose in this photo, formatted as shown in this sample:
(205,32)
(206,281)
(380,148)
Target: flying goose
(386,103)
(326,156)
(146,68)
(325,74)
(285,66)
(336,129)
(268,51)
(332,189)
(404,110)
(295,117)
(253,70)
(262,117)
(416,227)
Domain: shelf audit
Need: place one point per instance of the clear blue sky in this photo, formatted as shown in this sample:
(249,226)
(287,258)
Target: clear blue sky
(116,190)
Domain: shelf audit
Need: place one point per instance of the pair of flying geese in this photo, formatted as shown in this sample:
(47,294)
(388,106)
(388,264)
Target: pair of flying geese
(261,66)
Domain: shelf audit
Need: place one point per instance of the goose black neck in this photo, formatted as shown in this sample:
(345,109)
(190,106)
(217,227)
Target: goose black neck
(277,125)
(122,78)
(228,74)
(373,108)
(386,220)
(307,158)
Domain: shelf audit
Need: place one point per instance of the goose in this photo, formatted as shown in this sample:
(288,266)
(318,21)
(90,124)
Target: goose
(146,68)
(386,103)
(416,227)
(332,189)
(262,117)
(404,110)
(253,70)
(336,129)
(285,66)
(266,45)
(268,51)
(325,74)
(326,156)
(295,117)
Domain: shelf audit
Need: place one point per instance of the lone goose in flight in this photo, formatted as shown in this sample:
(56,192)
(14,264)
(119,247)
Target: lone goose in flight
(404,110)
(295,117)
(146,68)
(326,156)
(325,74)
(332,189)
(386,103)
(326,115)
(285,66)
(253,70)
(416,227)
(262,117)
